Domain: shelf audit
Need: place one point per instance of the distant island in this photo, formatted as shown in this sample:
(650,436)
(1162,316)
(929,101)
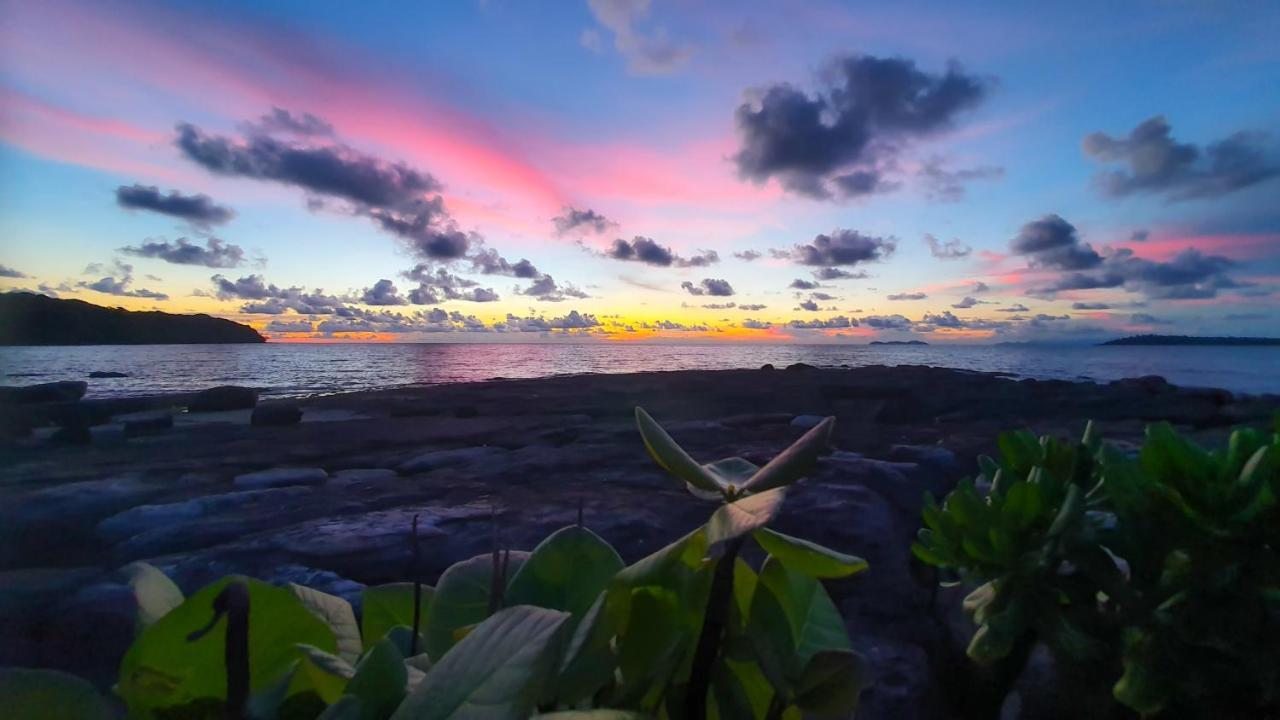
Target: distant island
(1191,340)
(897,342)
(31,319)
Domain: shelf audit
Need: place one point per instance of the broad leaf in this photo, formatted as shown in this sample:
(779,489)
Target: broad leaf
(162,668)
(346,708)
(733,520)
(808,558)
(154,592)
(830,684)
(50,695)
(795,462)
(566,571)
(497,671)
(324,673)
(670,456)
(593,715)
(461,599)
(379,681)
(589,661)
(386,606)
(337,614)
(650,644)
(812,619)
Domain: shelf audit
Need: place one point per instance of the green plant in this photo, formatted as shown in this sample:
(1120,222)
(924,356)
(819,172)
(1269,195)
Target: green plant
(1155,577)
(691,631)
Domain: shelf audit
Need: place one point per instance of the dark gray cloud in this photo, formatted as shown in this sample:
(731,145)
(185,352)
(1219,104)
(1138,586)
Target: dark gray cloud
(119,282)
(648,49)
(488,261)
(837,141)
(1052,242)
(572,321)
(968,302)
(825,297)
(720,306)
(980,287)
(1015,308)
(748,255)
(437,285)
(268,299)
(752,307)
(1158,164)
(887,322)
(809,305)
(587,220)
(290,326)
(199,210)
(648,251)
(944,185)
(709,286)
(436,320)
(280,120)
(835,273)
(1090,306)
(952,249)
(1146,319)
(843,247)
(802,284)
(837,322)
(546,289)
(906,296)
(8,272)
(383,292)
(214,254)
(751,324)
(1139,236)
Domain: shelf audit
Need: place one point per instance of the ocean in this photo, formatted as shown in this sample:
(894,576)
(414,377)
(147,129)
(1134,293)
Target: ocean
(293,370)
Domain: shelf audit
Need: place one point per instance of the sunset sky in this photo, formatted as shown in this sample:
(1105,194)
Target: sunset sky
(668,171)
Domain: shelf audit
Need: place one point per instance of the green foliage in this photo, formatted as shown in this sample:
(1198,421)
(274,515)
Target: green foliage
(1156,576)
(568,631)
(50,695)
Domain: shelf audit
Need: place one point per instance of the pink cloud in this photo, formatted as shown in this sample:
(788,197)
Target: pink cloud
(1236,247)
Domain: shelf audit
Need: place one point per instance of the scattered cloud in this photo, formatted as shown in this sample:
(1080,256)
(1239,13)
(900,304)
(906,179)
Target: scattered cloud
(748,255)
(119,282)
(709,286)
(839,141)
(1156,163)
(952,249)
(214,254)
(1090,306)
(383,292)
(907,296)
(199,210)
(575,220)
(648,50)
(648,251)
(280,120)
(843,247)
(8,272)
(944,185)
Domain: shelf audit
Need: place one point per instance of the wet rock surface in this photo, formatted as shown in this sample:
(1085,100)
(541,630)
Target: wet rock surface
(329,500)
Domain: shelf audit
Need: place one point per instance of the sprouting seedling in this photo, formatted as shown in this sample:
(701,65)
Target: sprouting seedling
(751,497)
(233,602)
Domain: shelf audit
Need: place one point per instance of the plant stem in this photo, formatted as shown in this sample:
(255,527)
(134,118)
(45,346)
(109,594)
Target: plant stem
(417,590)
(233,602)
(713,624)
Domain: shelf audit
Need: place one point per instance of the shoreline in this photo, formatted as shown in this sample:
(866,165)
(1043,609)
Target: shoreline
(327,502)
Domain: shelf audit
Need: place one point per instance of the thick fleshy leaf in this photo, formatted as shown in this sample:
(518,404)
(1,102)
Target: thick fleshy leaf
(566,571)
(830,684)
(795,462)
(670,456)
(386,606)
(497,671)
(346,708)
(337,614)
(461,599)
(162,668)
(588,661)
(650,645)
(379,681)
(324,673)
(154,592)
(733,520)
(814,622)
(50,695)
(732,472)
(808,558)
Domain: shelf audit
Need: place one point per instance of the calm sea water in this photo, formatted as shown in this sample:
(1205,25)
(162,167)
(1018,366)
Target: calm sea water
(297,370)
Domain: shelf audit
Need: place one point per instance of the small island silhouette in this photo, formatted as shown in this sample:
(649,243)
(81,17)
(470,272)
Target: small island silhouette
(897,342)
(1190,340)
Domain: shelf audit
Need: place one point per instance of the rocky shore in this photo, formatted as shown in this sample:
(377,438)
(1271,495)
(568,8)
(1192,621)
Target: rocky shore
(322,491)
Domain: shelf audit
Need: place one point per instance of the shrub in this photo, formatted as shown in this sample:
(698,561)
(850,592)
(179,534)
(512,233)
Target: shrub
(1155,577)
(692,631)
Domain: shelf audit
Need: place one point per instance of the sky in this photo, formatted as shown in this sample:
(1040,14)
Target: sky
(635,171)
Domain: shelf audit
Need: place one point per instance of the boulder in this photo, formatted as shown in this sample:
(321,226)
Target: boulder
(276,414)
(146,423)
(143,518)
(437,459)
(1151,384)
(800,366)
(767,366)
(107,374)
(806,422)
(62,391)
(279,477)
(361,475)
(224,397)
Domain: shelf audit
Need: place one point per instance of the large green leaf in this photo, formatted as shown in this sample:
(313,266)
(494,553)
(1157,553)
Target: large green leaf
(154,592)
(830,684)
(496,672)
(670,456)
(50,695)
(812,621)
(386,606)
(337,614)
(566,571)
(589,661)
(346,708)
(323,673)
(808,558)
(462,599)
(650,644)
(795,462)
(379,681)
(162,668)
(735,519)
